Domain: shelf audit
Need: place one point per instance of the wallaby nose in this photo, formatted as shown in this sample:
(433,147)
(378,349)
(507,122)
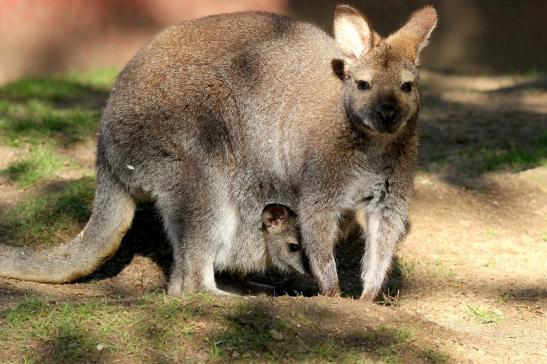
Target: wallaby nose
(386,113)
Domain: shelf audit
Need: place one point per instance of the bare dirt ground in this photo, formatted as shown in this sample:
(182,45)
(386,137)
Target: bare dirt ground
(471,277)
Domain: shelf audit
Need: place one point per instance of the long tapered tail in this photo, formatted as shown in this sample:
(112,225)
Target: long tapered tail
(113,211)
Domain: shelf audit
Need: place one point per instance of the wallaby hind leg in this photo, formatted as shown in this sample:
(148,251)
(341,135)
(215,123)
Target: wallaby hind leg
(196,239)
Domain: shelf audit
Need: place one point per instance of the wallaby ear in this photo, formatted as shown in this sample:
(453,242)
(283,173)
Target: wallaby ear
(414,35)
(273,216)
(352,32)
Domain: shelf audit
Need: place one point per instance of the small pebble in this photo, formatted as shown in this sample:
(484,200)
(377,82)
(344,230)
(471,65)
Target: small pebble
(276,335)
(100,347)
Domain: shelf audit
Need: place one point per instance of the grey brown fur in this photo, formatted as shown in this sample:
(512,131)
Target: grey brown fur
(218,117)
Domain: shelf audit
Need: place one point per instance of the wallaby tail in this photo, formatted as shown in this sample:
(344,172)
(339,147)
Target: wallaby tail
(113,210)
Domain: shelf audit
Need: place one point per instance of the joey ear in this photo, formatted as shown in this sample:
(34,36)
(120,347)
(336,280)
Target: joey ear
(339,68)
(273,216)
(414,35)
(353,35)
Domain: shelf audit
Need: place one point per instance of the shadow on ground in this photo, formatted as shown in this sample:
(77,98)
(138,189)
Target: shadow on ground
(199,328)
(310,331)
(61,92)
(462,140)
(50,110)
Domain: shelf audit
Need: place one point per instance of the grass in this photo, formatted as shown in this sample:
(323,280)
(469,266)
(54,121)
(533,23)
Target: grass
(443,272)
(40,163)
(93,330)
(394,341)
(39,122)
(249,333)
(505,298)
(51,217)
(60,87)
(435,356)
(404,335)
(57,110)
(157,328)
(256,333)
(484,316)
(42,115)
(406,267)
(478,159)
(515,157)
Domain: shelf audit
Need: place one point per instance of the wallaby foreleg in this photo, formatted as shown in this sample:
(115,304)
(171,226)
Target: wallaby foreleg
(319,233)
(385,228)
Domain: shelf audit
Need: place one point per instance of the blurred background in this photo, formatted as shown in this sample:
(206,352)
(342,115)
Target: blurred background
(39,37)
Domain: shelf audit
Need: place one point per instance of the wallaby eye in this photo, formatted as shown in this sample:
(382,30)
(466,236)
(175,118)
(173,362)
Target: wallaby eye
(406,87)
(294,247)
(363,85)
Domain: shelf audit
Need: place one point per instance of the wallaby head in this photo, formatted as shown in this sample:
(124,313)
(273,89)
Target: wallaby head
(282,239)
(380,75)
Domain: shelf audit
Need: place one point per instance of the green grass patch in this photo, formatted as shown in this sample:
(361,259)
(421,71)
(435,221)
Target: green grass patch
(472,160)
(158,328)
(435,356)
(56,110)
(250,332)
(52,217)
(41,163)
(515,157)
(255,333)
(38,122)
(93,330)
(484,316)
(99,79)
(407,268)
(387,354)
(441,271)
(404,335)
(51,89)
(60,87)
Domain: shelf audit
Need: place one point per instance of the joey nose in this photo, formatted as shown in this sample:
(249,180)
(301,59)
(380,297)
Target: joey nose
(386,113)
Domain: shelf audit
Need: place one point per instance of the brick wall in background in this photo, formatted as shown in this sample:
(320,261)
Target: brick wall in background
(50,36)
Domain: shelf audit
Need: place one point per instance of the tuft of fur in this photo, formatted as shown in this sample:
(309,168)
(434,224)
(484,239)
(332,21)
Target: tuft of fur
(224,115)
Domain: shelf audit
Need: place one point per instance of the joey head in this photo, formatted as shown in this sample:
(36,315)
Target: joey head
(282,239)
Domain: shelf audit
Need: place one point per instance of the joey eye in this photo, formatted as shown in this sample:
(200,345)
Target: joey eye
(406,87)
(363,85)
(294,247)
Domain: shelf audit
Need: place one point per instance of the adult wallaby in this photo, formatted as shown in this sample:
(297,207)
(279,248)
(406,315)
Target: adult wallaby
(217,117)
